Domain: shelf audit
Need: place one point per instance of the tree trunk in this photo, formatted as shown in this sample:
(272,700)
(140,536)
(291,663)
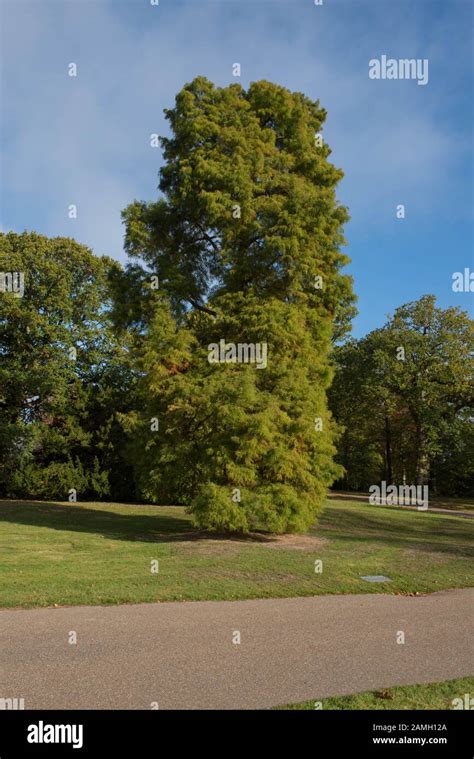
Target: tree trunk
(422,458)
(388,451)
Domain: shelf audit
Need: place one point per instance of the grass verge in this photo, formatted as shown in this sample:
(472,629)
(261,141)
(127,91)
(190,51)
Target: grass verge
(431,696)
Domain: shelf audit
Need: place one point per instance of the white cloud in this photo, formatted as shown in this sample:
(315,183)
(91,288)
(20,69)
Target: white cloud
(85,140)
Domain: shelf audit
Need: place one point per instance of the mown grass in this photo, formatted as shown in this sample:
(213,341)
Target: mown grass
(98,553)
(462,504)
(431,696)
(454,504)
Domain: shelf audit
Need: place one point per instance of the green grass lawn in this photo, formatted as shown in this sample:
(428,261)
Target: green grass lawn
(98,553)
(432,696)
(454,504)
(441,502)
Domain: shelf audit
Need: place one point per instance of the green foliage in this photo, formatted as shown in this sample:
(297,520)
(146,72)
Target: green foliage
(53,480)
(247,223)
(280,507)
(56,408)
(212,509)
(404,395)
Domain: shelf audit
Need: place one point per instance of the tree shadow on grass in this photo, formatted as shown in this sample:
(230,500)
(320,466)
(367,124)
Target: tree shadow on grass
(415,530)
(408,530)
(153,528)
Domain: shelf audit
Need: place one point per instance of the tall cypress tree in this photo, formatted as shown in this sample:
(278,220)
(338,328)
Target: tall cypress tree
(246,242)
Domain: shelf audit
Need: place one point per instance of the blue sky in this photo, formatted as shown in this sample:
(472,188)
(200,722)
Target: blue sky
(86,140)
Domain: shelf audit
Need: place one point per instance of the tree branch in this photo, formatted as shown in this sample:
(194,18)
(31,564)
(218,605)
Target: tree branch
(202,308)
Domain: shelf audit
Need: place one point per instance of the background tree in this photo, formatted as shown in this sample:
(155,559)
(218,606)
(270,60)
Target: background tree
(62,375)
(357,406)
(407,389)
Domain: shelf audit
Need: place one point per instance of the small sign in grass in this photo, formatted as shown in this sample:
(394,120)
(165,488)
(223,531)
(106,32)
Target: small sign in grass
(376,578)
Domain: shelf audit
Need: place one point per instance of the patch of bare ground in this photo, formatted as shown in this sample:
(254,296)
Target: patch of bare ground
(224,543)
(297,542)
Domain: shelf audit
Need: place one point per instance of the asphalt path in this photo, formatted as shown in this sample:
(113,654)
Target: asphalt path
(187,655)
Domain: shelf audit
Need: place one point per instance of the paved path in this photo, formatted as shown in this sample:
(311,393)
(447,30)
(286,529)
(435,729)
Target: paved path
(181,655)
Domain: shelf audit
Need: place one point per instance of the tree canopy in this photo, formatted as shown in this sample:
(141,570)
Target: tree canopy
(404,394)
(61,370)
(246,243)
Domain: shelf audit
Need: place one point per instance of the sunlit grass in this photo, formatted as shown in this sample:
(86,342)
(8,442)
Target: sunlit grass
(99,553)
